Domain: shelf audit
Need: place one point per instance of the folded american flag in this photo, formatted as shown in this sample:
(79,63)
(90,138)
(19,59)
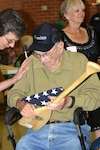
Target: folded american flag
(40,99)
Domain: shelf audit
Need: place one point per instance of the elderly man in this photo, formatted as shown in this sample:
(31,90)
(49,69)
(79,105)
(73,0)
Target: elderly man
(52,67)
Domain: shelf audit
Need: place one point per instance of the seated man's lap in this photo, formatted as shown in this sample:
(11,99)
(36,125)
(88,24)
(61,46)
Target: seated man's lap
(50,135)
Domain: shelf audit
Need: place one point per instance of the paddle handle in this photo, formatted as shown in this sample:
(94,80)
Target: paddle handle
(71,87)
(65,92)
(91,69)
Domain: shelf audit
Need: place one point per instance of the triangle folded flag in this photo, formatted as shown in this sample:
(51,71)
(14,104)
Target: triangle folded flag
(40,99)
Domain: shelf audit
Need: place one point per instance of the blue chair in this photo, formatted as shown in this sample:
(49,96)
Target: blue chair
(12,115)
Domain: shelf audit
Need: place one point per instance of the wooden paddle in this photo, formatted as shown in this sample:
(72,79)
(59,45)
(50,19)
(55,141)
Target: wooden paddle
(43,114)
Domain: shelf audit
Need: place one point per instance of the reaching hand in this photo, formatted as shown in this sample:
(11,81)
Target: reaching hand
(7,83)
(21,70)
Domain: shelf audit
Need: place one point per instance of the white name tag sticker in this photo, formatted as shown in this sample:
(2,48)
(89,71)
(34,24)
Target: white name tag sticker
(72,48)
(28,125)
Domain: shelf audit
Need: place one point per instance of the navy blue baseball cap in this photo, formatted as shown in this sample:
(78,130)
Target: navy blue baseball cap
(44,37)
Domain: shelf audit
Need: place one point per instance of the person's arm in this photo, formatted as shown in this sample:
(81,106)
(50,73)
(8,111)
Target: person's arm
(7,83)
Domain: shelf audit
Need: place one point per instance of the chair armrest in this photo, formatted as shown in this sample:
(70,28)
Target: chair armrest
(11,116)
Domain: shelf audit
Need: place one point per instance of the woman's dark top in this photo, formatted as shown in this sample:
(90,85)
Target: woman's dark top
(89,48)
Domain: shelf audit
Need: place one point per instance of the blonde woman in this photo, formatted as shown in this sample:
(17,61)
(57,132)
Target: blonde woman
(79,39)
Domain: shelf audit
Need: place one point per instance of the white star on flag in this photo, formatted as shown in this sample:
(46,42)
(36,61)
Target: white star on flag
(28,98)
(54,91)
(36,96)
(43,102)
(45,93)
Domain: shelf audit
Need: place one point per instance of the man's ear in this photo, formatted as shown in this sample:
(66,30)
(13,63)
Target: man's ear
(61,46)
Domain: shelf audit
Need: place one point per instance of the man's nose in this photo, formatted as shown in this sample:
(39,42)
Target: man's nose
(12,45)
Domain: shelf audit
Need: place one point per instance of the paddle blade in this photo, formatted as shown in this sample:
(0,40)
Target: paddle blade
(43,115)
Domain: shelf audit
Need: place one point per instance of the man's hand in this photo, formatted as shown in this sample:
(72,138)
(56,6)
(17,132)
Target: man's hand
(26,109)
(21,70)
(65,102)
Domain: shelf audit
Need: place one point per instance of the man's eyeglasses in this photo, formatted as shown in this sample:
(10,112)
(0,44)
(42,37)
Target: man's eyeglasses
(10,41)
(47,55)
